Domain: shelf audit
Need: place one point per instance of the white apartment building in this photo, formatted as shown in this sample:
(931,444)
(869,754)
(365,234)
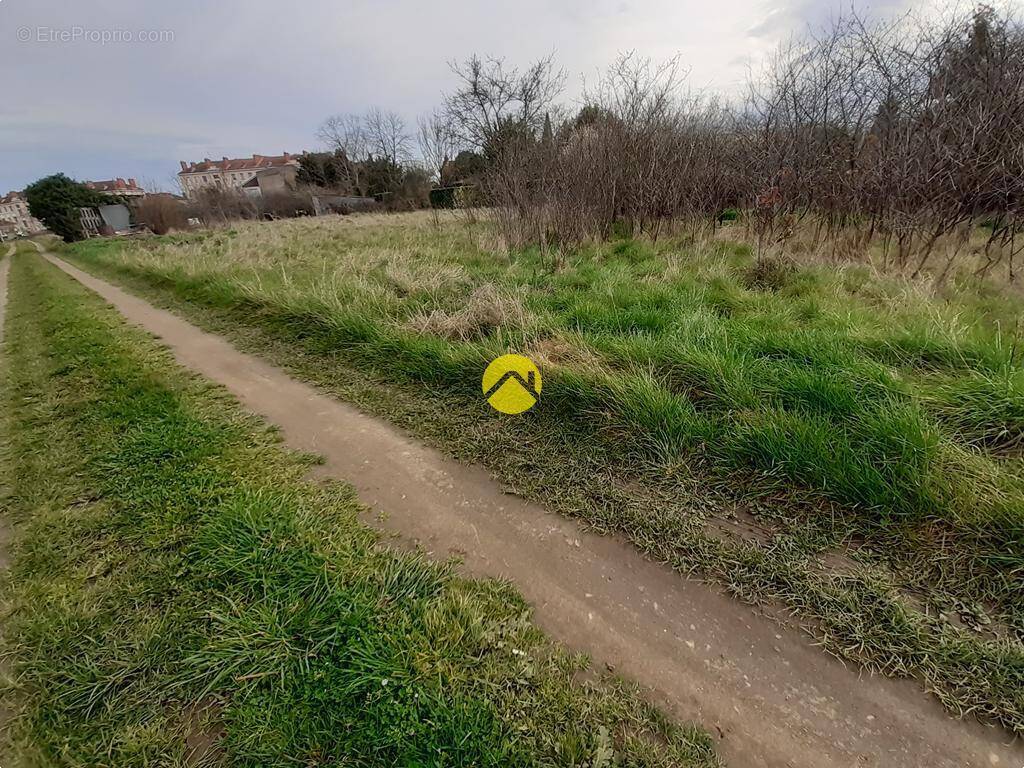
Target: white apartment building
(229,173)
(14,209)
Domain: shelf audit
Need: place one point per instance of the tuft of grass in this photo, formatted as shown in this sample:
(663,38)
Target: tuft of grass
(823,406)
(986,409)
(176,581)
(485,312)
(771,273)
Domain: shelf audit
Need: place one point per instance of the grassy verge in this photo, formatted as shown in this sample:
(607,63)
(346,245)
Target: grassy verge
(180,595)
(828,419)
(20,246)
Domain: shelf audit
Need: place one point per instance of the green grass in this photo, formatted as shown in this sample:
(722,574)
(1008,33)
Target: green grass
(174,575)
(845,413)
(20,246)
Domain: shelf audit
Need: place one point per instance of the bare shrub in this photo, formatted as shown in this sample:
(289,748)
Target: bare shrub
(640,157)
(906,132)
(221,206)
(162,213)
(215,206)
(891,141)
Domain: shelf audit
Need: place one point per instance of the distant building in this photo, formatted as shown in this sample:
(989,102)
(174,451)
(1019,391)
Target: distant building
(165,196)
(8,230)
(118,186)
(14,209)
(230,174)
(273,180)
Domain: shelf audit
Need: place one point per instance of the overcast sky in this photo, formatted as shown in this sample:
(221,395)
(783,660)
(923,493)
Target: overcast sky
(234,77)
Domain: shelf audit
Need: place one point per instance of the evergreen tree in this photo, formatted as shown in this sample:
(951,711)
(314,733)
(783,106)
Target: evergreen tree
(55,200)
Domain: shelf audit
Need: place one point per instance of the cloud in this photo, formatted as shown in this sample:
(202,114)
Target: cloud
(793,17)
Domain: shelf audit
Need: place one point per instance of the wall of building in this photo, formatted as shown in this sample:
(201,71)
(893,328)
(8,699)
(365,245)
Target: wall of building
(228,177)
(14,208)
(278,183)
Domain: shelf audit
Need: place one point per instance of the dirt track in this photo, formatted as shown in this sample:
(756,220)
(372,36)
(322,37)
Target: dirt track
(5,263)
(771,697)
(5,531)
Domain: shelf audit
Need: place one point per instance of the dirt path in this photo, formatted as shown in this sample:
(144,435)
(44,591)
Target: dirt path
(774,699)
(5,529)
(5,534)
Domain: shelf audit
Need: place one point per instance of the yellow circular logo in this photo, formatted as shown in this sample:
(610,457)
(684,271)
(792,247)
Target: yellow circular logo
(512,384)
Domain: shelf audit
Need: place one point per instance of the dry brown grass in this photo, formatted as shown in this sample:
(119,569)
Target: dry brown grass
(488,310)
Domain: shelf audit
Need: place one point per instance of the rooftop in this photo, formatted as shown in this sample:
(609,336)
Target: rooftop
(114,185)
(254,163)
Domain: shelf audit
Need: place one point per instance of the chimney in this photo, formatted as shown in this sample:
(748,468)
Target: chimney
(184,165)
(287,157)
(207,160)
(224,159)
(133,183)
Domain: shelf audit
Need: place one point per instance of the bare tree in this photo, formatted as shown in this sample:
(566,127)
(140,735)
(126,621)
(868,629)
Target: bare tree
(346,135)
(345,132)
(491,97)
(386,136)
(437,142)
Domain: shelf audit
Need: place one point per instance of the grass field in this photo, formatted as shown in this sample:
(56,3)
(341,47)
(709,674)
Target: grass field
(181,595)
(20,246)
(848,444)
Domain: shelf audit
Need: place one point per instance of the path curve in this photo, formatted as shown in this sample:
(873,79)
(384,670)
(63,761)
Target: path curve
(774,699)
